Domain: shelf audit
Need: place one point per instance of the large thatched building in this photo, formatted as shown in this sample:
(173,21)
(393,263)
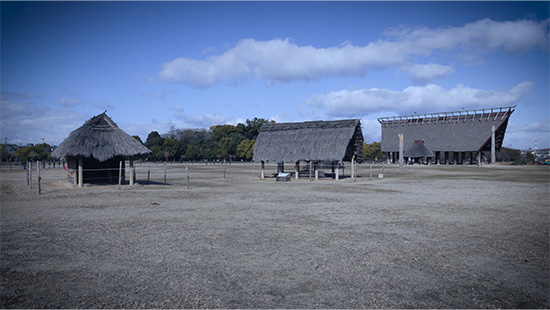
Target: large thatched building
(453,137)
(317,142)
(96,149)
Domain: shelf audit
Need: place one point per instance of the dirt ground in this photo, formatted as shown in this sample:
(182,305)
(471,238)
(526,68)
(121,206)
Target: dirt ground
(427,237)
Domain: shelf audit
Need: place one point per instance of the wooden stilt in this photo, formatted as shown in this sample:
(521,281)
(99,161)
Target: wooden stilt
(262,170)
(132,172)
(493,146)
(80,172)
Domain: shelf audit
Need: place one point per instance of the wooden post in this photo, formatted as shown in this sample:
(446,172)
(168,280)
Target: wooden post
(30,173)
(262,170)
(224,169)
(132,172)
(187,174)
(493,146)
(297,169)
(119,175)
(400,151)
(478,158)
(310,168)
(39,188)
(353,167)
(164,173)
(316,174)
(370,169)
(28,176)
(337,171)
(80,171)
(149,172)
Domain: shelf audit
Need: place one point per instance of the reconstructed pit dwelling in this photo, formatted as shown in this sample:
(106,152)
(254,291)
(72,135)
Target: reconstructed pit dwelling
(97,150)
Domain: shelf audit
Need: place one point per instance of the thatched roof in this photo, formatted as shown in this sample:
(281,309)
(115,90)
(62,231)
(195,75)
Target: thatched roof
(418,149)
(459,131)
(101,139)
(317,140)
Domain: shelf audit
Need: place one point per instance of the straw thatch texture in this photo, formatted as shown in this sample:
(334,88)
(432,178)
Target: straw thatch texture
(317,141)
(418,149)
(99,138)
(464,131)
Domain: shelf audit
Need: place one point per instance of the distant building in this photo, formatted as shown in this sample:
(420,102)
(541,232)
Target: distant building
(454,137)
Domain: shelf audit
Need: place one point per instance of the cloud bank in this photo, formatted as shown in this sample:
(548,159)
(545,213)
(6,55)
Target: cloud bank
(420,99)
(282,61)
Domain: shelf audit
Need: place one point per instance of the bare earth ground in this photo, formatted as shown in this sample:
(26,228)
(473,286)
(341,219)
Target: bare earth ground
(428,237)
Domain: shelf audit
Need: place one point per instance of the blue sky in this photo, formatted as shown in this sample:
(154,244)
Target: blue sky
(157,65)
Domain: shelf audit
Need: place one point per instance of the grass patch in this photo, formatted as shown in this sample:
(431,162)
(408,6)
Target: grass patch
(6,189)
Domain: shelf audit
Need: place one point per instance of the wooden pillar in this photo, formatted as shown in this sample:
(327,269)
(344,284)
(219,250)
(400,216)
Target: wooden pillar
(132,172)
(297,169)
(400,151)
(337,176)
(280,167)
(316,174)
(262,170)
(478,161)
(80,171)
(471,158)
(493,146)
(353,167)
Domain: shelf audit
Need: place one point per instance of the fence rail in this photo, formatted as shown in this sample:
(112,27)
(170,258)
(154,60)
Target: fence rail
(182,174)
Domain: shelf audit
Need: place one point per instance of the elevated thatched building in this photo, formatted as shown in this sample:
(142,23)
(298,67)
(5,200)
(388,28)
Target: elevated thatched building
(96,149)
(453,137)
(313,142)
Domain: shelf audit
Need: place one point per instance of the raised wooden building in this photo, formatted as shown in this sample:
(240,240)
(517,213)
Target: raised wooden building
(315,142)
(453,137)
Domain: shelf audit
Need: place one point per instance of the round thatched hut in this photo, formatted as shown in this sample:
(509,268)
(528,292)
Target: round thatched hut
(96,149)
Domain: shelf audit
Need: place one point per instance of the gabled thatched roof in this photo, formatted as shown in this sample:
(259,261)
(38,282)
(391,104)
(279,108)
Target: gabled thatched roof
(101,139)
(418,149)
(459,131)
(317,140)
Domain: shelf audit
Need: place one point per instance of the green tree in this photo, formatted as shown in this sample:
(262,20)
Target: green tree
(372,151)
(173,148)
(245,149)
(32,153)
(154,139)
(224,147)
(138,139)
(253,127)
(193,151)
(221,131)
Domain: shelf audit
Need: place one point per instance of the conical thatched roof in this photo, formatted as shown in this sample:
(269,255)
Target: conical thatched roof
(101,139)
(317,140)
(418,149)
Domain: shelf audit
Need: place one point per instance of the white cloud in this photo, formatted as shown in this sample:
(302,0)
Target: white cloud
(421,99)
(280,61)
(425,73)
(24,121)
(523,137)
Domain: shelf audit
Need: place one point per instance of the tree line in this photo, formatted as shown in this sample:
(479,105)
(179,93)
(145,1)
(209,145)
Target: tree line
(219,142)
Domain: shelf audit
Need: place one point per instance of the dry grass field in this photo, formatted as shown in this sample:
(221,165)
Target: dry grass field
(427,237)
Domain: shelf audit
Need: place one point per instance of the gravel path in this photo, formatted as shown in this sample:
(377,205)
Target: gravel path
(428,237)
